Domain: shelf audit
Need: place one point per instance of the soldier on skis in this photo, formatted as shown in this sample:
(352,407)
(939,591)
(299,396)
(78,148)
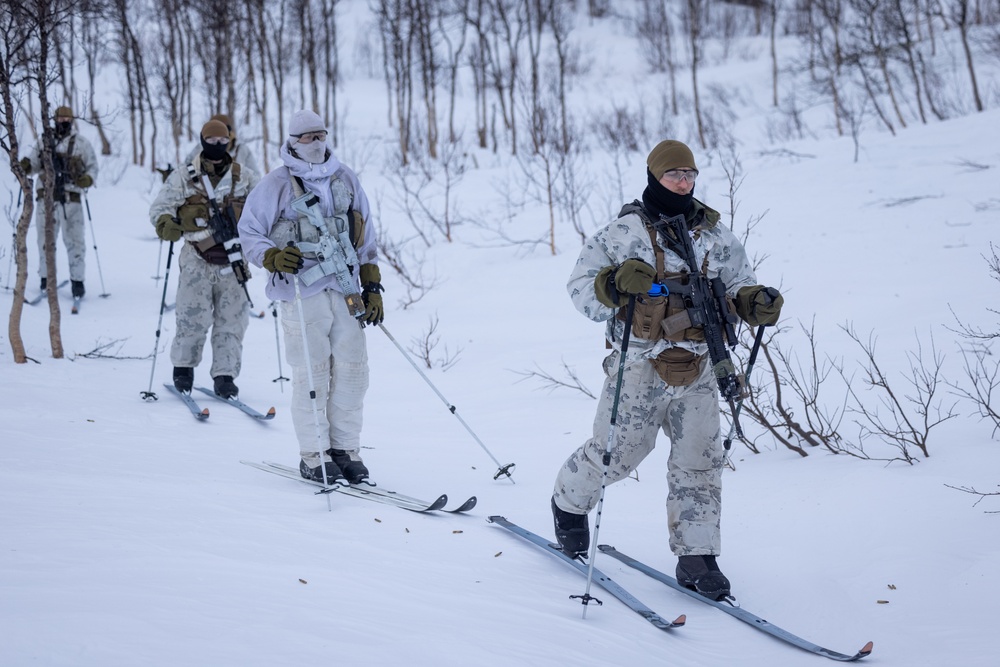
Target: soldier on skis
(76,170)
(667,382)
(309,224)
(210,292)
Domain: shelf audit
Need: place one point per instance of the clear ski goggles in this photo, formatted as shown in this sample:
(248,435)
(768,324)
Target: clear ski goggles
(310,137)
(678,175)
(216,141)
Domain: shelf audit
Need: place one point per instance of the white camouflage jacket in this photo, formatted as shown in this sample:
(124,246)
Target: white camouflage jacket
(179,186)
(626,238)
(81,148)
(272,199)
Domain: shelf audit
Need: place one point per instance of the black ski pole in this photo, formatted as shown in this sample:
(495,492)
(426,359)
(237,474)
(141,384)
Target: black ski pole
(97,257)
(606,459)
(149,395)
(728,442)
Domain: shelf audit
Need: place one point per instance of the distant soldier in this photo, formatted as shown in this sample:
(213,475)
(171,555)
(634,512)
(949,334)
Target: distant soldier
(240,153)
(76,170)
(209,293)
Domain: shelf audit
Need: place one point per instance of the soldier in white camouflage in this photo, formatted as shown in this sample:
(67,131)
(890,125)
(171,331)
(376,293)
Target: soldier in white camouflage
(209,293)
(314,200)
(76,166)
(667,382)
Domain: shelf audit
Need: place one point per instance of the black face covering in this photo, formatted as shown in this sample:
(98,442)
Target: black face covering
(62,129)
(213,151)
(660,201)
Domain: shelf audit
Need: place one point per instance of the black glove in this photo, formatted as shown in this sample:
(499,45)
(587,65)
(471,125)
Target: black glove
(26,165)
(283,260)
(168,229)
(758,305)
(634,276)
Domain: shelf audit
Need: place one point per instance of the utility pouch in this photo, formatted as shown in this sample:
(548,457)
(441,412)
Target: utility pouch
(678,367)
(649,312)
(211,251)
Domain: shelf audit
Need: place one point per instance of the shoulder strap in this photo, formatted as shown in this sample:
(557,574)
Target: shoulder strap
(638,209)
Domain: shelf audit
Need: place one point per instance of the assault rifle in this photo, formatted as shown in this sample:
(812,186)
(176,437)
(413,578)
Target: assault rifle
(222,222)
(705,300)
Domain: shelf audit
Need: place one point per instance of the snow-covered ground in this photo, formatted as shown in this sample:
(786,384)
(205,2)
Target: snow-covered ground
(131,534)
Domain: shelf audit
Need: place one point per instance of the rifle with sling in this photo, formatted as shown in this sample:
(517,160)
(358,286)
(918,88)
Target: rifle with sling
(705,300)
(222,222)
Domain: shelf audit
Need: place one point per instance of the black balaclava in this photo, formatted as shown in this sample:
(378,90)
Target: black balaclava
(213,151)
(660,201)
(63,128)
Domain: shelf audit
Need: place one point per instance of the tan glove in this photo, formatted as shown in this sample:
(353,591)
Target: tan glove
(26,164)
(83,181)
(168,229)
(758,305)
(188,214)
(283,260)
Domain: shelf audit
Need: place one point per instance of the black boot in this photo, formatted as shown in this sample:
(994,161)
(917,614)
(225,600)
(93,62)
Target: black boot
(77,286)
(183,379)
(350,463)
(333,473)
(701,574)
(225,387)
(42,285)
(572,531)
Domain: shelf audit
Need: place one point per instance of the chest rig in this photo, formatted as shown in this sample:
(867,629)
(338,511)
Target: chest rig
(663,317)
(331,241)
(212,243)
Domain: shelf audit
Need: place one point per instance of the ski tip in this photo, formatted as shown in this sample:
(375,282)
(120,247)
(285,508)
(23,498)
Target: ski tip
(203,414)
(270,413)
(866,650)
(679,621)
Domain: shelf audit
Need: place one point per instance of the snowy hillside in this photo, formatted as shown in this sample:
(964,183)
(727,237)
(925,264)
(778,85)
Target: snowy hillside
(132,535)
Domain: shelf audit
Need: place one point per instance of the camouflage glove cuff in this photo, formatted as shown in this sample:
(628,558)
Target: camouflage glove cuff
(604,288)
(634,276)
(168,229)
(758,305)
(83,181)
(371,278)
(374,312)
(282,260)
(26,165)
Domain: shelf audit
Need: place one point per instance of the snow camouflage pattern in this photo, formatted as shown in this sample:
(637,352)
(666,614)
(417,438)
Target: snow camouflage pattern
(208,295)
(207,298)
(337,346)
(688,415)
(68,215)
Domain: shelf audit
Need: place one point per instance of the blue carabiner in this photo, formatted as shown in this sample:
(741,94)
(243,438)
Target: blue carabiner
(658,289)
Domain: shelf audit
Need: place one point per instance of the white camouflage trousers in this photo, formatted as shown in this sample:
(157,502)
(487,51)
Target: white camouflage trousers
(209,299)
(338,359)
(68,217)
(690,418)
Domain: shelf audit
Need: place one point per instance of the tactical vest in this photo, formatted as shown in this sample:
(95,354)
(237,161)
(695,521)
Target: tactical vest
(69,167)
(204,242)
(666,317)
(300,230)
(662,317)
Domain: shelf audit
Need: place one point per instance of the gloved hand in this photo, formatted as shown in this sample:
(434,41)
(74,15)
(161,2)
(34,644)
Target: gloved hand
(168,229)
(283,260)
(83,181)
(374,312)
(188,215)
(758,305)
(26,165)
(604,287)
(634,276)
(371,278)
(371,285)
